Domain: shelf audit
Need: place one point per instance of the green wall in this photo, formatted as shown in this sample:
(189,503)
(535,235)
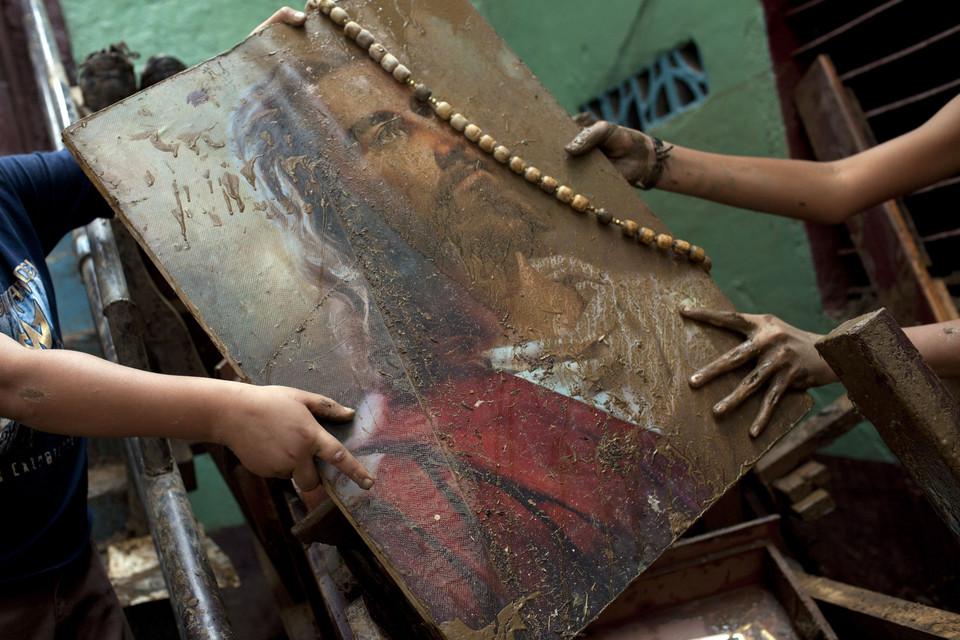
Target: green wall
(577,49)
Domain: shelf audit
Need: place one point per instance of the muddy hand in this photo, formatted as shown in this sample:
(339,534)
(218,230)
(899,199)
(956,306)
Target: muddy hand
(628,149)
(785,359)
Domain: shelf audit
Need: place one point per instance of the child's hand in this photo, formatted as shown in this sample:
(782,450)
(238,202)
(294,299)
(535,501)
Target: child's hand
(274,432)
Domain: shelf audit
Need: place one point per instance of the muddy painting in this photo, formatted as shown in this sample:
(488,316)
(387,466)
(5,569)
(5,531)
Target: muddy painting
(519,371)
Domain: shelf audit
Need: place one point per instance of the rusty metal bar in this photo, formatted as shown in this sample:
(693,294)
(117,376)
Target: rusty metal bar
(892,386)
(194,594)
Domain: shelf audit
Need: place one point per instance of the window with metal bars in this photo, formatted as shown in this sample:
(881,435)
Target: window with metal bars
(674,83)
(895,62)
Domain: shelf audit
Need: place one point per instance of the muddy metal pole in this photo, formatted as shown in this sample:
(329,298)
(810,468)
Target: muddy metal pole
(194,594)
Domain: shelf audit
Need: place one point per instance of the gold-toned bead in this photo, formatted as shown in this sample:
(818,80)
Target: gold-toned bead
(339,16)
(681,247)
(487,143)
(472,132)
(532,174)
(604,216)
(664,241)
(326,6)
(352,30)
(389,62)
(377,51)
(564,194)
(697,254)
(707,264)
(629,228)
(365,39)
(501,154)
(580,203)
(549,184)
(518,164)
(401,73)
(459,122)
(646,236)
(421,92)
(444,110)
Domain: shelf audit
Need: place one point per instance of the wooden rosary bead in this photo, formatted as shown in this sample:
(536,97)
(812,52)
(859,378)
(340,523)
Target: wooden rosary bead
(707,264)
(352,30)
(401,73)
(604,216)
(487,143)
(459,122)
(472,132)
(532,174)
(339,16)
(422,92)
(646,236)
(579,203)
(629,228)
(365,39)
(681,247)
(564,194)
(326,6)
(377,51)
(501,154)
(664,241)
(697,254)
(444,110)
(389,62)
(549,184)
(518,164)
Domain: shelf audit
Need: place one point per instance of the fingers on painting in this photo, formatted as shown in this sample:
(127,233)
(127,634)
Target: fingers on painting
(729,361)
(593,136)
(331,450)
(776,390)
(731,320)
(323,407)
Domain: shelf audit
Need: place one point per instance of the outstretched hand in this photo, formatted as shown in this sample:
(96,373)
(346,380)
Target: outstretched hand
(274,432)
(786,359)
(629,150)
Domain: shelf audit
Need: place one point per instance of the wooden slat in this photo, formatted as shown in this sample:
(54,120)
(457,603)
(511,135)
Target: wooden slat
(890,384)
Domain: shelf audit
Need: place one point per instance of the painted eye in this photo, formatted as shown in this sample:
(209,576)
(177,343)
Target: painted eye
(388,131)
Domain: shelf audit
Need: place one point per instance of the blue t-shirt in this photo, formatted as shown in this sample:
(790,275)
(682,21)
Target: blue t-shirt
(43,477)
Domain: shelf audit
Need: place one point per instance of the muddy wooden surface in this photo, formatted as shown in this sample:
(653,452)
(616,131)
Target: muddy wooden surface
(519,370)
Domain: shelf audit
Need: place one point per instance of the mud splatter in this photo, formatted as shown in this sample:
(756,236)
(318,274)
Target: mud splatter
(247,171)
(179,213)
(33,395)
(505,627)
(231,186)
(154,137)
(149,179)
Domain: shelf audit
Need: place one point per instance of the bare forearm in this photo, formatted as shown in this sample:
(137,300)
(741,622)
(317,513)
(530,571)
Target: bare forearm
(73,393)
(778,186)
(939,344)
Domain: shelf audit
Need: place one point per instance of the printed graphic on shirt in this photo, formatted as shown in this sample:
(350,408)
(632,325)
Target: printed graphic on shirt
(25,317)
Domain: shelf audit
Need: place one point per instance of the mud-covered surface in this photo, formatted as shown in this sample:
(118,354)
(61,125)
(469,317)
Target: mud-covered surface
(519,371)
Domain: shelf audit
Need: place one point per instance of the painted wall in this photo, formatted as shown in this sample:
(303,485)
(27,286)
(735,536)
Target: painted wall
(578,49)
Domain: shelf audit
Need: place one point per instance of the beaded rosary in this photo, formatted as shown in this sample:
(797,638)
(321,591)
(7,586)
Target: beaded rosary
(500,153)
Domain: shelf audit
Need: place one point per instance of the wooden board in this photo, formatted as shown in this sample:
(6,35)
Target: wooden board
(520,372)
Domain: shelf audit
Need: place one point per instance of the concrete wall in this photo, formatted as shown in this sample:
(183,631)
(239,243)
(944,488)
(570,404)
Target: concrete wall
(578,49)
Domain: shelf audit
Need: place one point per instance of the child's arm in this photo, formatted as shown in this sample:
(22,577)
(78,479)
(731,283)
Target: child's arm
(826,192)
(272,430)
